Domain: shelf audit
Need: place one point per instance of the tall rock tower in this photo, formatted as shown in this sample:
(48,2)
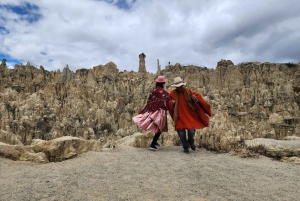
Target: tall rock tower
(3,65)
(158,67)
(142,66)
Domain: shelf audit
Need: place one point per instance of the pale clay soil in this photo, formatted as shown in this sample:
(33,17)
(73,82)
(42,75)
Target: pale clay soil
(128,173)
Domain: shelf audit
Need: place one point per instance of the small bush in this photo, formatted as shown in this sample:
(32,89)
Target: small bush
(291,65)
(296,89)
(106,126)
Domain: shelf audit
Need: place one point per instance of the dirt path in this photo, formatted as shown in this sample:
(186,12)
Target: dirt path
(128,173)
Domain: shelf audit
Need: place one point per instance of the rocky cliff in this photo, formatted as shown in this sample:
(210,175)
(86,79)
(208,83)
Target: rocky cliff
(249,100)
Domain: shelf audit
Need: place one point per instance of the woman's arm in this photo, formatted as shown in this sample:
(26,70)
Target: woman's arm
(199,99)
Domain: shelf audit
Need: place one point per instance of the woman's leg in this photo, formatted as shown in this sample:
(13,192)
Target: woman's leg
(155,138)
(182,136)
(191,134)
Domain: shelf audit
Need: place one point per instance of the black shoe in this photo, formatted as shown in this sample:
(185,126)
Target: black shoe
(157,145)
(186,151)
(193,148)
(155,148)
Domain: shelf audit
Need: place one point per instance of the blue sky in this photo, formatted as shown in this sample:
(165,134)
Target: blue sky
(87,33)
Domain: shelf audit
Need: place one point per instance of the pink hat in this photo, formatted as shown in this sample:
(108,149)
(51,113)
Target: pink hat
(160,79)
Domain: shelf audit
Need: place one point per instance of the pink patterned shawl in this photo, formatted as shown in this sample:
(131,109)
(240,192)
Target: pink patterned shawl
(156,100)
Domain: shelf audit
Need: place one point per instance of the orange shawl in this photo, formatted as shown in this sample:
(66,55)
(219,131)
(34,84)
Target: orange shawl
(187,117)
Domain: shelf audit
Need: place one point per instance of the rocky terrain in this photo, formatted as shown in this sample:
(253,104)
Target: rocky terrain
(254,104)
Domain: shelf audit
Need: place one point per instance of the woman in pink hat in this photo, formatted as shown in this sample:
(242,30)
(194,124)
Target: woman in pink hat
(154,115)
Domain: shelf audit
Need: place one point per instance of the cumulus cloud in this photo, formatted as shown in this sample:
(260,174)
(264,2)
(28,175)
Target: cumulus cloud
(86,33)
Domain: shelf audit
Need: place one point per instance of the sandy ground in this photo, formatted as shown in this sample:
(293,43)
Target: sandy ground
(128,173)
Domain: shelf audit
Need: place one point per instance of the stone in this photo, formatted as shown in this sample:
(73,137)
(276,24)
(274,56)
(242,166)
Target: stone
(55,150)
(275,148)
(250,100)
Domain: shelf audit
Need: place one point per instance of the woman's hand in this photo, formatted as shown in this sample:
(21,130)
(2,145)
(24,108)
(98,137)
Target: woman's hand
(194,98)
(173,103)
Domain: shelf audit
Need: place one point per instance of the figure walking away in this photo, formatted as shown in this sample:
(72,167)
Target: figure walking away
(189,113)
(154,115)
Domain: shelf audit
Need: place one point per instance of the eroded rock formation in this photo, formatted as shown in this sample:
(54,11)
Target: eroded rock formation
(250,100)
(44,151)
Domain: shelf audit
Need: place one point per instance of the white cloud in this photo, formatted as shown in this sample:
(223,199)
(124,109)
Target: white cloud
(86,33)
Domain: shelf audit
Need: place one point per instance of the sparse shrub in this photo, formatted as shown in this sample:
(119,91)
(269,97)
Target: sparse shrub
(44,127)
(106,126)
(259,149)
(296,89)
(291,65)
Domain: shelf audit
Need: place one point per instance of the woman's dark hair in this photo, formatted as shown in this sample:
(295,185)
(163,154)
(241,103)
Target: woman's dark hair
(161,84)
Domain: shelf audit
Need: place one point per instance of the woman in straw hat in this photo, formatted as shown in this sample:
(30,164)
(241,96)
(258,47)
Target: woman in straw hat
(190,112)
(154,116)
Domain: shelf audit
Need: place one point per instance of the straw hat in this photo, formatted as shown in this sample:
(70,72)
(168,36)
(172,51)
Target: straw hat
(160,79)
(178,81)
